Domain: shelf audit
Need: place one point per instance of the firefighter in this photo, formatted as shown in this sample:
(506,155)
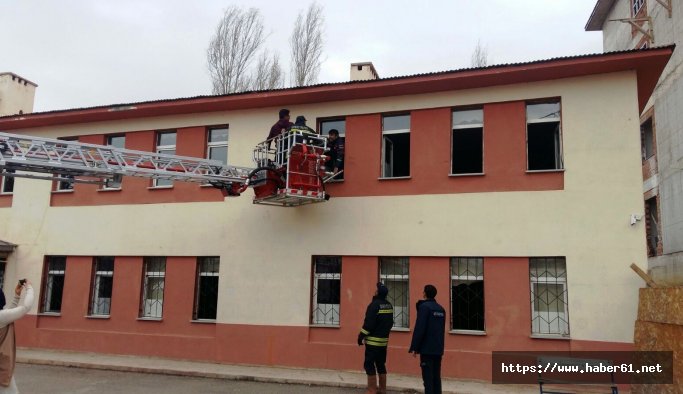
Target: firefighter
(336,153)
(379,318)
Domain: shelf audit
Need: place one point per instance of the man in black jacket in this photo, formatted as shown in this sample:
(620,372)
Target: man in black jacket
(335,146)
(428,339)
(379,318)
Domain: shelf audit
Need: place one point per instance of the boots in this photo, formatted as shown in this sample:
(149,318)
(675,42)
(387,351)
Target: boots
(372,384)
(382,384)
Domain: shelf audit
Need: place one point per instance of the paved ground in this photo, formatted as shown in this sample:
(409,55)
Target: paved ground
(39,379)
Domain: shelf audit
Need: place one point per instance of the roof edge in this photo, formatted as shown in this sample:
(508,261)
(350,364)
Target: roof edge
(599,14)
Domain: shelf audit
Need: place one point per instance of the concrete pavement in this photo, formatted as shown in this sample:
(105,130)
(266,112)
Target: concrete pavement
(314,377)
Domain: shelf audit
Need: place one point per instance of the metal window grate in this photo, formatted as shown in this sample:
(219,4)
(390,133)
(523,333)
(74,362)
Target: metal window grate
(153,287)
(549,312)
(326,290)
(102,282)
(393,272)
(467,293)
(54,284)
(206,297)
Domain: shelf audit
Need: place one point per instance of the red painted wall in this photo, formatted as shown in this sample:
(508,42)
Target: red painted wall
(5,200)
(467,356)
(191,141)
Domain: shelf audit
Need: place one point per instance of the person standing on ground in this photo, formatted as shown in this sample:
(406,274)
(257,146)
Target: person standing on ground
(428,339)
(379,318)
(8,348)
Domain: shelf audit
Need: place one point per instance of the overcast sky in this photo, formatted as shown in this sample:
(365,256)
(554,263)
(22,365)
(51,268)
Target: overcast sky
(96,52)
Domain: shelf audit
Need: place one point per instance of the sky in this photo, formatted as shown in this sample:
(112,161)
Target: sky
(85,53)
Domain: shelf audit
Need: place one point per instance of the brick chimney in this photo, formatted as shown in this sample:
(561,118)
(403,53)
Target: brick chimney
(363,71)
(16,94)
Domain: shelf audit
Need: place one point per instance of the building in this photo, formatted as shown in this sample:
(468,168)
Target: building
(510,188)
(16,94)
(628,24)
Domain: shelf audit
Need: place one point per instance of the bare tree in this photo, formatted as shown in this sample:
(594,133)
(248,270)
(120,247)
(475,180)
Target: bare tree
(307,45)
(239,35)
(268,73)
(480,56)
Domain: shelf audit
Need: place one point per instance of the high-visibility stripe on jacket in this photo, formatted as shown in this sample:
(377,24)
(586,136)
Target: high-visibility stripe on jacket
(379,319)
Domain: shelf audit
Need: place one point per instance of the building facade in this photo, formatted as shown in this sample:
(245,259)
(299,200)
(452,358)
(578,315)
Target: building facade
(628,24)
(509,188)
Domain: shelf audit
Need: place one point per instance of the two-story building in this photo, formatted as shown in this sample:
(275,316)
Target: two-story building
(629,24)
(510,188)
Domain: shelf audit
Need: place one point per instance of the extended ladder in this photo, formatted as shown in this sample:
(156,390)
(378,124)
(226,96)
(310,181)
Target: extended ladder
(71,161)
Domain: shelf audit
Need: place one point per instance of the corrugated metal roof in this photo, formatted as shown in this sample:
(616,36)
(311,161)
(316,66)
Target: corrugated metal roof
(599,14)
(114,107)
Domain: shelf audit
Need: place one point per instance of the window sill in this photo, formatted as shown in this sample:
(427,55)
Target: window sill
(550,336)
(97,317)
(157,319)
(6,194)
(400,329)
(324,326)
(118,189)
(50,314)
(467,332)
(62,191)
(472,174)
(160,187)
(393,178)
(542,171)
(205,321)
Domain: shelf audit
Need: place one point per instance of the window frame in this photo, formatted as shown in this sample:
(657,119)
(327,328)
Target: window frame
(161,149)
(394,132)
(384,278)
(218,144)
(467,127)
(315,276)
(3,184)
(560,151)
(197,292)
(95,283)
(146,275)
(453,279)
(46,294)
(653,140)
(635,8)
(70,185)
(107,141)
(552,281)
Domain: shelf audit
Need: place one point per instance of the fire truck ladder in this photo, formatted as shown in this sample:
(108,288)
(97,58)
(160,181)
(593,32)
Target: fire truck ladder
(72,161)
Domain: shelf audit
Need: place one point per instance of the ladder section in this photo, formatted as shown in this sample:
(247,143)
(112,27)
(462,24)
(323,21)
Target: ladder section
(70,159)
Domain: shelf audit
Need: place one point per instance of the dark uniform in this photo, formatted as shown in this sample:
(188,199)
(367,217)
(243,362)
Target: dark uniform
(336,153)
(428,340)
(379,318)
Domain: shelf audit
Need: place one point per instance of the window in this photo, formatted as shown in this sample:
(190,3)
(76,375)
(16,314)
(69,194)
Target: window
(396,146)
(549,313)
(166,144)
(467,293)
(652,226)
(206,296)
(7,183)
(636,5)
(326,290)
(53,284)
(66,185)
(218,144)
(393,272)
(116,141)
(544,150)
(329,124)
(101,289)
(468,142)
(154,274)
(648,139)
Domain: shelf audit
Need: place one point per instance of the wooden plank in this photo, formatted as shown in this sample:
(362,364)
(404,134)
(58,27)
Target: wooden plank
(647,278)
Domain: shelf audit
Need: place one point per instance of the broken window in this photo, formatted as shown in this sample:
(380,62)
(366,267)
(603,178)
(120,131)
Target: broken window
(651,226)
(326,290)
(396,146)
(647,136)
(544,142)
(468,142)
(549,312)
(467,293)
